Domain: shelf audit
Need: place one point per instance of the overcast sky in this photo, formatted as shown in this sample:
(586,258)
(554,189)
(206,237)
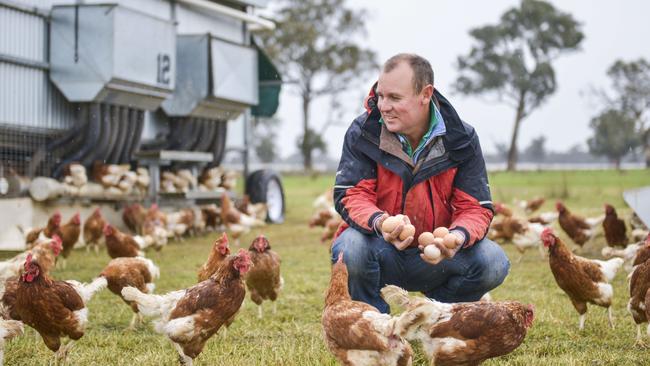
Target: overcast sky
(438,30)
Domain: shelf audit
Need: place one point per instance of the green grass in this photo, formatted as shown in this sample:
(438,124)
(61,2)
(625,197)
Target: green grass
(293,335)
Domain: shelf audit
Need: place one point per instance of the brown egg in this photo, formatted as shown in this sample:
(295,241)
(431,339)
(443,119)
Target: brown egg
(438,241)
(408,230)
(440,232)
(449,241)
(431,252)
(425,239)
(390,224)
(400,217)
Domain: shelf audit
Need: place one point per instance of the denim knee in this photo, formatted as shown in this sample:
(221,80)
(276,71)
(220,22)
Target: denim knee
(492,265)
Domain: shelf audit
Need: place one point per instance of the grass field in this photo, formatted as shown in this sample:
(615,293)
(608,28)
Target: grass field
(293,335)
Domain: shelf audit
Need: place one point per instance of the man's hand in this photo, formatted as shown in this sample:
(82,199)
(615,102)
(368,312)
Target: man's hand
(393,237)
(444,251)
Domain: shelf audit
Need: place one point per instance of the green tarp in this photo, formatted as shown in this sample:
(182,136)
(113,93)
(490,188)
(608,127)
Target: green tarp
(270,85)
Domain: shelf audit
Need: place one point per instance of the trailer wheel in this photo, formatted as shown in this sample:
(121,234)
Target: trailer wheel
(266,186)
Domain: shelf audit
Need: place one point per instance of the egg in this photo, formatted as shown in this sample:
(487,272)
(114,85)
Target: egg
(390,224)
(431,252)
(440,232)
(450,241)
(408,230)
(401,217)
(425,239)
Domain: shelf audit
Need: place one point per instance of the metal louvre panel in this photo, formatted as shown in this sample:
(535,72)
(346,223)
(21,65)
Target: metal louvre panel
(22,35)
(234,72)
(27,98)
(192,22)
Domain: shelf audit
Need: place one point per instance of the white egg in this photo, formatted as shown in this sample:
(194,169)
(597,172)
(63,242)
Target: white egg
(431,252)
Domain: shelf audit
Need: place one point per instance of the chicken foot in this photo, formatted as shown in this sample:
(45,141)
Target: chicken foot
(136,320)
(182,358)
(62,354)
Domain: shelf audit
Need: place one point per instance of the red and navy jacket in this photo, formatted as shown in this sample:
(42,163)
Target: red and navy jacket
(448,185)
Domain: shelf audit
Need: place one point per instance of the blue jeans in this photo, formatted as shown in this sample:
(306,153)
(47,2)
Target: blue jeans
(374,263)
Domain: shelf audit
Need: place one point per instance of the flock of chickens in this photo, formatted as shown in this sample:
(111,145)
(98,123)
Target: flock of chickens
(355,333)
(187,317)
(469,333)
(584,280)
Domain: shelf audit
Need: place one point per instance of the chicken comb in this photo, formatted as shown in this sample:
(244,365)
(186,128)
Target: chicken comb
(57,244)
(107,227)
(28,260)
(243,253)
(56,216)
(57,239)
(548,237)
(222,242)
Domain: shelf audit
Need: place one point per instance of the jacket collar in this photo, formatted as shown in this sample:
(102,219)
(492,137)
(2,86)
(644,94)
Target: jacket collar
(389,143)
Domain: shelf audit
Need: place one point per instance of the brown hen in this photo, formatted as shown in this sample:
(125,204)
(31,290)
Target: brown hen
(263,280)
(357,333)
(190,317)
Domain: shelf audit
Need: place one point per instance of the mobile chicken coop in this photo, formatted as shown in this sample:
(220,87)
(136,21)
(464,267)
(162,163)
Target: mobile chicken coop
(155,84)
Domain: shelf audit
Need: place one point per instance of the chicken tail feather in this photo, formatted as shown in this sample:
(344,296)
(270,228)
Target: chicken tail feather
(612,266)
(86,291)
(10,328)
(147,304)
(395,295)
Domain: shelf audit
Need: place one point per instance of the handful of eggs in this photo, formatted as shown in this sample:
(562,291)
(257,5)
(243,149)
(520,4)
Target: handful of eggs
(392,222)
(440,235)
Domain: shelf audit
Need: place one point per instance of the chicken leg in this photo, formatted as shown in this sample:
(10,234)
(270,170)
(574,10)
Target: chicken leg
(135,321)
(182,358)
(581,307)
(610,317)
(62,353)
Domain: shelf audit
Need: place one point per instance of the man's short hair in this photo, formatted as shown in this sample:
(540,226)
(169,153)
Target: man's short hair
(422,70)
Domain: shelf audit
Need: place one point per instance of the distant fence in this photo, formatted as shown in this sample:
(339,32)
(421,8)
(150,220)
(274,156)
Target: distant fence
(492,167)
(563,166)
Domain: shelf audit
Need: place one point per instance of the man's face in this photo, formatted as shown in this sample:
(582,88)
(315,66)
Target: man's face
(402,109)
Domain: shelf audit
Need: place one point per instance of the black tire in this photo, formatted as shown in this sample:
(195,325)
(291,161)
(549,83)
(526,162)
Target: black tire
(266,186)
